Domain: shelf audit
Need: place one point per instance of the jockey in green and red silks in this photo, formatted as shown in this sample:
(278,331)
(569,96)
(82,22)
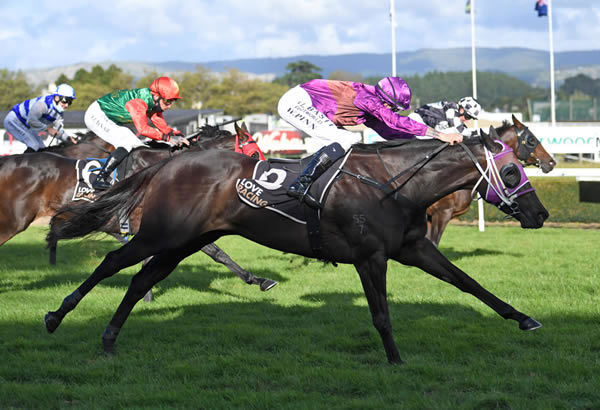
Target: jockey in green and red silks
(108,116)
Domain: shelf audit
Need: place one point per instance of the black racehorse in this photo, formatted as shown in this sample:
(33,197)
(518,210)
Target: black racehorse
(35,185)
(187,203)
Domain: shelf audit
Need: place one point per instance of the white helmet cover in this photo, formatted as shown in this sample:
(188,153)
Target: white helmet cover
(65,90)
(471,106)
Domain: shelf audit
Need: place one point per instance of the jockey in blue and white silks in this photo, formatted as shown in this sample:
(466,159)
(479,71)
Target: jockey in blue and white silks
(31,119)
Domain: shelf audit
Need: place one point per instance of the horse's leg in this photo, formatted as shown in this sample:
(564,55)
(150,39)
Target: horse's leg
(220,256)
(372,273)
(149,297)
(128,255)
(52,248)
(439,221)
(424,255)
(158,268)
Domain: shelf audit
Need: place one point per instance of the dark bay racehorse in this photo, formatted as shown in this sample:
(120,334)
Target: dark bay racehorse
(89,145)
(523,143)
(35,185)
(360,224)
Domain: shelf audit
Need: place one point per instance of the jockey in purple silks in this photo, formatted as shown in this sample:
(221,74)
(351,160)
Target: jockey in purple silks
(321,108)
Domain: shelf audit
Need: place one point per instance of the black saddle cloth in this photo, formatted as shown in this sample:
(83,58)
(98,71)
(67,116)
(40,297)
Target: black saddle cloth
(268,186)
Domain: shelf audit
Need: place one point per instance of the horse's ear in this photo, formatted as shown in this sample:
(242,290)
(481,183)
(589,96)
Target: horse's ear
(488,140)
(244,126)
(517,123)
(237,128)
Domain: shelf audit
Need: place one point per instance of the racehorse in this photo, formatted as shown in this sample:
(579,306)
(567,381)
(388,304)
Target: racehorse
(35,185)
(365,220)
(89,145)
(528,149)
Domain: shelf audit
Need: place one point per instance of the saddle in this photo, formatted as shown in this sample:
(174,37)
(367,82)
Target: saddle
(268,186)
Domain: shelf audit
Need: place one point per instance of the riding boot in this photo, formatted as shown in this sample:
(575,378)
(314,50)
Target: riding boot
(103,179)
(320,163)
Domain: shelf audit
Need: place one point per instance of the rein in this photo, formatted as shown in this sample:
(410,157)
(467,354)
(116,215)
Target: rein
(387,186)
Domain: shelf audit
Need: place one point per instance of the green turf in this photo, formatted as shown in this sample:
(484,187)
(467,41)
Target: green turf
(211,341)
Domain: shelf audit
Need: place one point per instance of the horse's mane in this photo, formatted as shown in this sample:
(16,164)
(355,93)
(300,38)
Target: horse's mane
(212,132)
(505,125)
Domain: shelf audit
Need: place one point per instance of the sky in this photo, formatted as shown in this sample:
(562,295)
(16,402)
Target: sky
(44,34)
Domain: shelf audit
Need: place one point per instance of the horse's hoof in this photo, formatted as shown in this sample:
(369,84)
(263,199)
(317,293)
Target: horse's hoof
(109,346)
(267,284)
(529,324)
(51,321)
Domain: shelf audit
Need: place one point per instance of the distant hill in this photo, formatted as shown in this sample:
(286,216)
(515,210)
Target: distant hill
(528,65)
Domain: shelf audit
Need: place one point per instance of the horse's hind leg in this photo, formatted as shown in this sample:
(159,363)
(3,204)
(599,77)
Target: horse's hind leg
(373,277)
(128,255)
(220,256)
(158,268)
(123,239)
(423,254)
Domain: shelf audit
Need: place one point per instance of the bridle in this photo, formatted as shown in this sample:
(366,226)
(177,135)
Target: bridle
(249,147)
(503,188)
(526,145)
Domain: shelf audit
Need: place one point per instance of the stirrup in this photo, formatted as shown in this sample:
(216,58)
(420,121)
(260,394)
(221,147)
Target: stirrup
(101,184)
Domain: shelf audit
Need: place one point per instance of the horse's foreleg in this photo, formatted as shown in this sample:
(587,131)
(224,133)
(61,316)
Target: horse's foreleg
(155,270)
(439,221)
(220,256)
(424,255)
(373,277)
(113,262)
(52,249)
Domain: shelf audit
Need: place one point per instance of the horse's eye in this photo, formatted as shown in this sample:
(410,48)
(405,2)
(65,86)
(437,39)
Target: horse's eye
(510,174)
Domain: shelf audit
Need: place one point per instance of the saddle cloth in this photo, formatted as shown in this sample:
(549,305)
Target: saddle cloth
(87,171)
(268,186)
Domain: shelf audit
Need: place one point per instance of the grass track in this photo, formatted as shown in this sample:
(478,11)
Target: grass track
(211,341)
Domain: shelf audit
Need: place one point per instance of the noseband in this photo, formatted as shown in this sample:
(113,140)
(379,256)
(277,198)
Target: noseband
(497,192)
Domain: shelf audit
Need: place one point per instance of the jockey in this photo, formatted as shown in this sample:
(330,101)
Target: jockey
(449,116)
(321,108)
(107,115)
(41,115)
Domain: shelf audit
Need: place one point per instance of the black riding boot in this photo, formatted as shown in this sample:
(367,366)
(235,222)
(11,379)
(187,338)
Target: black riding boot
(102,181)
(320,162)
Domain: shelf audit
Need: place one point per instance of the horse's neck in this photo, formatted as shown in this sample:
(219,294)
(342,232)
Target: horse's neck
(508,137)
(451,170)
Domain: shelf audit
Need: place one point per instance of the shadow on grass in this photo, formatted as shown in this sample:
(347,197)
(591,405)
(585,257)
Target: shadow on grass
(337,329)
(455,255)
(80,258)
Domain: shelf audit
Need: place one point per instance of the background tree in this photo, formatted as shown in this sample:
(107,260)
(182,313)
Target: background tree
(14,89)
(580,84)
(93,84)
(299,72)
(237,94)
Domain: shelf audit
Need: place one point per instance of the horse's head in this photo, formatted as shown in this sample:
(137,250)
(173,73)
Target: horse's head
(526,145)
(245,144)
(505,184)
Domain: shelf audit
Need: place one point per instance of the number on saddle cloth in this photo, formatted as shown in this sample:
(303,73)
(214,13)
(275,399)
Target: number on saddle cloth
(87,170)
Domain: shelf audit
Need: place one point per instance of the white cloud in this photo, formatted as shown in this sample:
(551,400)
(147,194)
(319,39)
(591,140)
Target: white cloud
(41,34)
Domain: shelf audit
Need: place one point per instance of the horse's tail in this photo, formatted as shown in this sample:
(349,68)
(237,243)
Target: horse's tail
(76,220)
